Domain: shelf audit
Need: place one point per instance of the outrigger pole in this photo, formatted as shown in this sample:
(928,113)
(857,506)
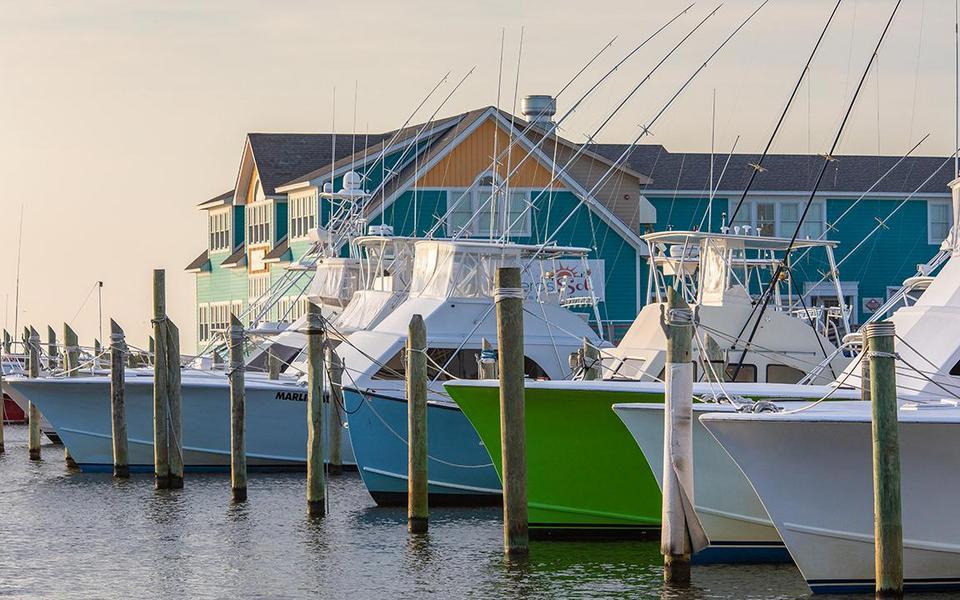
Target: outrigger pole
(827,159)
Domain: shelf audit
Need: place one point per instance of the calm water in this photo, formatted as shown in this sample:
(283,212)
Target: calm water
(70,535)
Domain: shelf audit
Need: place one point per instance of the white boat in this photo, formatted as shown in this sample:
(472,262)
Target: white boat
(813,473)
(79,408)
(813,469)
(453,290)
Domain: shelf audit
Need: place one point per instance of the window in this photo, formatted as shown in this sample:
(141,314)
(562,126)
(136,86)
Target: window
(939,221)
(219,228)
(462,366)
(778,218)
(259,223)
(748,373)
(291,308)
(505,211)
(203,322)
(303,215)
(782,374)
(257,286)
(219,318)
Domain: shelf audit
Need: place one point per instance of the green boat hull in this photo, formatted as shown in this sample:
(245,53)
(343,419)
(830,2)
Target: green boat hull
(586,476)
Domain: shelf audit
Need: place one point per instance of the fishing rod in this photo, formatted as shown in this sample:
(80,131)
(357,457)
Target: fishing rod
(827,159)
(442,220)
(864,195)
(644,131)
(758,167)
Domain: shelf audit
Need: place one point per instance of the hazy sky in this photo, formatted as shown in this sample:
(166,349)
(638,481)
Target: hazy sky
(119,117)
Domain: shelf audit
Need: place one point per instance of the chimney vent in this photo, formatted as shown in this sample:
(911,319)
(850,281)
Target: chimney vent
(539,110)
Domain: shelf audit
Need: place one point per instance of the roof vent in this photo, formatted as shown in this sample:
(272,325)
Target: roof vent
(539,110)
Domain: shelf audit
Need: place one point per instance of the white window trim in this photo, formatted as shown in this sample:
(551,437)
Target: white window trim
(267,210)
(750,205)
(931,239)
(304,212)
(523,229)
(219,222)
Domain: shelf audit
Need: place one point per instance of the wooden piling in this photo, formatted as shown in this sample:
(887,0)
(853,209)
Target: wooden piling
(97,351)
(488,360)
(175,399)
(888,525)
(238,448)
(335,370)
(152,349)
(417,504)
(71,351)
(161,387)
(273,365)
(118,410)
(7,342)
(53,353)
(33,443)
(865,368)
(316,506)
(591,361)
(675,536)
(509,298)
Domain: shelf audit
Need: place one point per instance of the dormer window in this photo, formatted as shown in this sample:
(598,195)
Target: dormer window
(259,223)
(497,210)
(219,228)
(303,215)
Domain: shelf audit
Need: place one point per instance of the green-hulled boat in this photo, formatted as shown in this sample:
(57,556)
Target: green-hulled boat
(586,476)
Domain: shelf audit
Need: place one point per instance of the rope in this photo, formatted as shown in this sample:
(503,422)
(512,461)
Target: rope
(507,293)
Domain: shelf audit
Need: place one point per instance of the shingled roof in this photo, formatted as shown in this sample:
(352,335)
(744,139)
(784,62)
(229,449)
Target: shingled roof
(784,172)
(281,157)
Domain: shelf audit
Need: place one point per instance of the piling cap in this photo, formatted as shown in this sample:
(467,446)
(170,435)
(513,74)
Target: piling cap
(880,329)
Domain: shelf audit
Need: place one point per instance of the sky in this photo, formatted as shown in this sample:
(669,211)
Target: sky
(117,118)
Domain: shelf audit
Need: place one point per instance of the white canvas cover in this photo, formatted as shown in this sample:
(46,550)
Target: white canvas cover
(366,309)
(334,282)
(453,270)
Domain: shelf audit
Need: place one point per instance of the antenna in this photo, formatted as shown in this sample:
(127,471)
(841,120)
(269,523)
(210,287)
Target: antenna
(100,307)
(713,133)
(16,301)
(505,209)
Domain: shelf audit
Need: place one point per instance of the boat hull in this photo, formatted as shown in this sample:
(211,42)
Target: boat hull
(79,409)
(815,481)
(732,515)
(459,470)
(586,476)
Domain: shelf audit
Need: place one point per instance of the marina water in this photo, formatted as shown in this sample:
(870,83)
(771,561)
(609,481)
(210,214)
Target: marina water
(67,534)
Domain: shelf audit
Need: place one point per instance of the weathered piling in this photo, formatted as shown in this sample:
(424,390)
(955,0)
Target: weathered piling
(316,506)
(152,349)
(417,504)
(53,353)
(238,447)
(335,370)
(7,342)
(175,398)
(71,351)
(865,368)
(509,298)
(33,438)
(273,365)
(487,360)
(118,410)
(680,533)
(591,361)
(888,525)
(97,351)
(161,386)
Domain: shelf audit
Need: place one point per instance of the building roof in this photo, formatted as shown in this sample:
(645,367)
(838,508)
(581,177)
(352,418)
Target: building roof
(281,157)
(375,147)
(218,200)
(200,263)
(280,252)
(689,172)
(238,258)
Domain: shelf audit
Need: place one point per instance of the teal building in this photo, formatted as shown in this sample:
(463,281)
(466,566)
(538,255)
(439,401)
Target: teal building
(430,179)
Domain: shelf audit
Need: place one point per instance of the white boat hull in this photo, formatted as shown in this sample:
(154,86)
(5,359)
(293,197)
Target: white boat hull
(733,518)
(276,429)
(814,478)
